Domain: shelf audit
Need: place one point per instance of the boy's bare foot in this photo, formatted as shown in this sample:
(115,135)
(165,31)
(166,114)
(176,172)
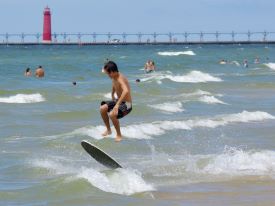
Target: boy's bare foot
(106,133)
(118,138)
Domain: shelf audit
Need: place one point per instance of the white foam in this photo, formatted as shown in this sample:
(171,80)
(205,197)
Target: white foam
(122,181)
(109,95)
(246,116)
(191,53)
(147,130)
(168,107)
(119,181)
(191,77)
(196,93)
(210,100)
(136,131)
(270,65)
(154,76)
(91,131)
(194,77)
(238,162)
(223,120)
(143,131)
(236,63)
(23,98)
(231,163)
(200,94)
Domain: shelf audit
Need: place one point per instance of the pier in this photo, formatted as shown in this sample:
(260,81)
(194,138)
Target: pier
(139,38)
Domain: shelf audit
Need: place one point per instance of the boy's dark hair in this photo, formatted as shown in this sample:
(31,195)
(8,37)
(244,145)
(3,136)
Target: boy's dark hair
(28,69)
(111,66)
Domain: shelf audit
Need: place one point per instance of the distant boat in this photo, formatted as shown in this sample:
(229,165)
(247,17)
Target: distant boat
(114,41)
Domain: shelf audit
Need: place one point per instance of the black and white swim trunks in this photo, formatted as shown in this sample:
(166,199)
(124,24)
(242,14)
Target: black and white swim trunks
(124,108)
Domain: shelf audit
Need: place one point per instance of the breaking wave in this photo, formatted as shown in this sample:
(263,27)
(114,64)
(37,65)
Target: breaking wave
(119,181)
(171,107)
(23,98)
(191,77)
(270,65)
(210,100)
(190,53)
(147,130)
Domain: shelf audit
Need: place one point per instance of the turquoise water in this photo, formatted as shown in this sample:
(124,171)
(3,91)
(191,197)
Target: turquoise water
(200,132)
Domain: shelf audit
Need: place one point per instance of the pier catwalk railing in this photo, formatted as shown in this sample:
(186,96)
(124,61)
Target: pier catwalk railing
(248,37)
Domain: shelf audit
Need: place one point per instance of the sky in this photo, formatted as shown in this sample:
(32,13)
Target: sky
(132,16)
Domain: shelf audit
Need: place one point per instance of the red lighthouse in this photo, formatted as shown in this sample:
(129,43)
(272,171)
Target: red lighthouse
(47,33)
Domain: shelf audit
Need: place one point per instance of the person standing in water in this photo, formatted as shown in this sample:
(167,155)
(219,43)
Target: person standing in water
(116,108)
(245,63)
(39,72)
(149,66)
(28,72)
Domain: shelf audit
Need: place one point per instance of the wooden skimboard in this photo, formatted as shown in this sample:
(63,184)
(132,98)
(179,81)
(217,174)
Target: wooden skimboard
(100,156)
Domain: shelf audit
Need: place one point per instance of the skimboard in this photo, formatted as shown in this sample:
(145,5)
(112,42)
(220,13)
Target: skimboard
(100,156)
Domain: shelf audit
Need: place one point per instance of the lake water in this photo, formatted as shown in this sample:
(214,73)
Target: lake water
(200,132)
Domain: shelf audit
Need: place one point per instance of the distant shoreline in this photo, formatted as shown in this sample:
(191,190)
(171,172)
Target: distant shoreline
(139,43)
